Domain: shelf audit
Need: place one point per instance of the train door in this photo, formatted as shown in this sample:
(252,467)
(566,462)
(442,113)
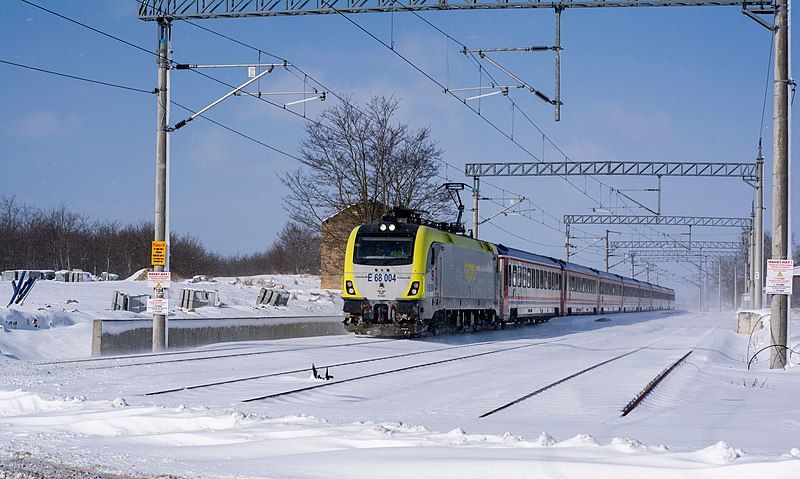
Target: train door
(437,267)
(563,285)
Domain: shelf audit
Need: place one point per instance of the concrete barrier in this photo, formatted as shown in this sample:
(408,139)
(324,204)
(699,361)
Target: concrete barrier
(124,336)
(749,321)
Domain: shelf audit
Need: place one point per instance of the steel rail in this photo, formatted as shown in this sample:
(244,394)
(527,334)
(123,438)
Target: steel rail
(283,373)
(396,370)
(222,356)
(651,385)
(556,383)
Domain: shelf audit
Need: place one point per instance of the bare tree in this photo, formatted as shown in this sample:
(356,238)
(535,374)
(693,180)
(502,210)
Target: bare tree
(364,158)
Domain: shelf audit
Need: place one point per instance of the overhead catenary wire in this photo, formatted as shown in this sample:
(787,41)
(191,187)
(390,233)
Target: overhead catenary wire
(514,106)
(339,97)
(84,25)
(75,77)
(475,110)
(151,92)
(306,76)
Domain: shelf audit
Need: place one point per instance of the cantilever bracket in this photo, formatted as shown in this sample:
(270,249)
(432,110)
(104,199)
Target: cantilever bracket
(753,14)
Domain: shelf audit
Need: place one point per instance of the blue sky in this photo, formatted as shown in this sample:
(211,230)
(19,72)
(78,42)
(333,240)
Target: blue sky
(638,84)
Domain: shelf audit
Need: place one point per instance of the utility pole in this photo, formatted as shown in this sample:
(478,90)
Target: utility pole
(607,251)
(758,239)
(476,197)
(567,246)
(780,180)
(162,154)
(633,270)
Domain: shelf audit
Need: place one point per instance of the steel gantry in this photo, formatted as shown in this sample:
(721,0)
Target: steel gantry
(694,255)
(657,220)
(197,9)
(680,245)
(746,171)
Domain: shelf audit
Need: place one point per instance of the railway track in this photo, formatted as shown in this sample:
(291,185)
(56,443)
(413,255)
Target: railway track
(556,383)
(321,366)
(134,356)
(396,370)
(652,385)
(222,356)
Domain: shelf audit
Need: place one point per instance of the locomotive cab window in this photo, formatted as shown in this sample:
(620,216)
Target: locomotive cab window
(384,250)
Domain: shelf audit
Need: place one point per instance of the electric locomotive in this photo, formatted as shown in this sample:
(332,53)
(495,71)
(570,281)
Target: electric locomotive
(404,276)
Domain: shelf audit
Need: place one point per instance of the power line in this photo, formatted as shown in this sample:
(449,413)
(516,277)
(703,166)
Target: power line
(309,77)
(151,92)
(346,102)
(514,107)
(74,77)
(333,92)
(72,20)
(438,83)
(239,133)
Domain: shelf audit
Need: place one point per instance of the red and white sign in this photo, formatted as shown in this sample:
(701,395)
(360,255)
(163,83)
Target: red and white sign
(779,276)
(157,279)
(157,306)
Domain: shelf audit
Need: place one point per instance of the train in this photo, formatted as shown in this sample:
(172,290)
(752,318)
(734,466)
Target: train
(407,277)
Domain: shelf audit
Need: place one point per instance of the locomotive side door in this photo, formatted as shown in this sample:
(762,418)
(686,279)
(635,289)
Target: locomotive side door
(436,270)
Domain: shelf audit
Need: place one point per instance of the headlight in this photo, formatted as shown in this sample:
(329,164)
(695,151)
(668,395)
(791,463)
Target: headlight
(391,227)
(383,227)
(349,287)
(414,289)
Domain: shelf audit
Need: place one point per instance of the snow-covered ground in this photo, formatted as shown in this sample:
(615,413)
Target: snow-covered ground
(56,318)
(710,418)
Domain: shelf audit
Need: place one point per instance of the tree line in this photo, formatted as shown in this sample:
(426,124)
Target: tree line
(57,238)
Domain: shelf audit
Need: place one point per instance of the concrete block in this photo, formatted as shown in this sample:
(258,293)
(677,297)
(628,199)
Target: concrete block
(196,298)
(749,321)
(272,297)
(124,336)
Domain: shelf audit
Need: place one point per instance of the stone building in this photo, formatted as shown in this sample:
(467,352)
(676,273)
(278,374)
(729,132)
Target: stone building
(335,231)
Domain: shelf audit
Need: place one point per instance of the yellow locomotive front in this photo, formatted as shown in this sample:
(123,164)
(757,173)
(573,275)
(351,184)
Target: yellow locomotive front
(383,281)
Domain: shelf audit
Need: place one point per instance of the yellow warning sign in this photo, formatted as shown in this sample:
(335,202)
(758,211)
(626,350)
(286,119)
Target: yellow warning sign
(158,253)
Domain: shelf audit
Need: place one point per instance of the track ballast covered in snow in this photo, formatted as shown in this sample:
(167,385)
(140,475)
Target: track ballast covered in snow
(412,408)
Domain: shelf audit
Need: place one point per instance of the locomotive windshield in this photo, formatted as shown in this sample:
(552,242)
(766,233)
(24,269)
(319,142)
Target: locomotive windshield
(384,250)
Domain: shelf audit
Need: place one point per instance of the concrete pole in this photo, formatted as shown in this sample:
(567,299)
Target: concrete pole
(751,256)
(557,105)
(758,239)
(780,180)
(736,293)
(700,285)
(719,286)
(476,197)
(566,244)
(162,125)
(607,251)
(633,267)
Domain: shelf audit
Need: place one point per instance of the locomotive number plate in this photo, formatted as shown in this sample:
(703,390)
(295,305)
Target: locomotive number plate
(382,277)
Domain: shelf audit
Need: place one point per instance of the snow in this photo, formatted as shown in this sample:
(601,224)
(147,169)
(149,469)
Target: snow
(710,418)
(55,321)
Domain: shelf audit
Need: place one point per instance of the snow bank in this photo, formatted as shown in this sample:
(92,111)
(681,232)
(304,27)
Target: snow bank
(233,443)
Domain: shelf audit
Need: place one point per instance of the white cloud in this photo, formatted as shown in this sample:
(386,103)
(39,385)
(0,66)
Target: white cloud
(42,124)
